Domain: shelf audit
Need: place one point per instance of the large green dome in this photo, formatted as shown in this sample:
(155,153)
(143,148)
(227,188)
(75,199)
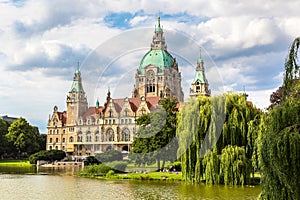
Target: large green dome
(157,57)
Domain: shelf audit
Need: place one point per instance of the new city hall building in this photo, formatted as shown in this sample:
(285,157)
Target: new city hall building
(83,130)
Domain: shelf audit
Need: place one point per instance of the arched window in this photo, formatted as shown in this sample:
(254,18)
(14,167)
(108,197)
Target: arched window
(97,136)
(50,147)
(79,136)
(71,139)
(125,135)
(110,135)
(50,140)
(56,139)
(88,136)
(64,140)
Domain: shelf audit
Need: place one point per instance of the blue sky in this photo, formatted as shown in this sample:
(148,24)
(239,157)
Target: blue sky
(244,46)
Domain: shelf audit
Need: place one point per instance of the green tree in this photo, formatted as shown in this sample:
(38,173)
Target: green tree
(156,138)
(23,136)
(224,123)
(5,146)
(279,146)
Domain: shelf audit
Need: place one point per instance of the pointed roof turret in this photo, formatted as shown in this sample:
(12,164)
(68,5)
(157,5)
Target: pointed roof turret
(97,104)
(77,83)
(200,83)
(158,29)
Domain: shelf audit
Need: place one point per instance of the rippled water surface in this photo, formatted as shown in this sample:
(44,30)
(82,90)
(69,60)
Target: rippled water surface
(64,186)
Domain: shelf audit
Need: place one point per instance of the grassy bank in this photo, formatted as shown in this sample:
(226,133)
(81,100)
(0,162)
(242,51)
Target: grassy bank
(159,176)
(14,163)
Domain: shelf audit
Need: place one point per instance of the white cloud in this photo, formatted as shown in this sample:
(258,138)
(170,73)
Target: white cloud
(41,42)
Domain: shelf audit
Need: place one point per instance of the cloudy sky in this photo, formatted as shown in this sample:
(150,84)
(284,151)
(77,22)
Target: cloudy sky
(244,45)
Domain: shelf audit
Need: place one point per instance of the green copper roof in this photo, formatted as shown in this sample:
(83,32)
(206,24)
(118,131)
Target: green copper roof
(157,57)
(199,60)
(199,76)
(97,104)
(77,84)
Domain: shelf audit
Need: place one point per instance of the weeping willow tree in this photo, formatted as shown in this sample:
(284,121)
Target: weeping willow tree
(279,149)
(206,126)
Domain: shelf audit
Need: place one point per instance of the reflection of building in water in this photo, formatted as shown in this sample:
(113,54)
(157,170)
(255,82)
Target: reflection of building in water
(83,130)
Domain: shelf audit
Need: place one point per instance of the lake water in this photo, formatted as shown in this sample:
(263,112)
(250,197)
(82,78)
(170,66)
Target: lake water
(60,184)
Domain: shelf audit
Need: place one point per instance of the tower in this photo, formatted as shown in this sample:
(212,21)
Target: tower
(199,86)
(76,100)
(158,73)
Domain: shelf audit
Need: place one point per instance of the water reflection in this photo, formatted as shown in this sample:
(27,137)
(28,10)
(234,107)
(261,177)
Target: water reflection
(38,185)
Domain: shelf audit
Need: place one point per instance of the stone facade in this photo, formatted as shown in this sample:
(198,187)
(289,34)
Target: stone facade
(83,130)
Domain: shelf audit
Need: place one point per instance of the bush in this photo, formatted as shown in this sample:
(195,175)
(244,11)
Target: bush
(118,165)
(109,156)
(91,160)
(110,173)
(96,169)
(51,155)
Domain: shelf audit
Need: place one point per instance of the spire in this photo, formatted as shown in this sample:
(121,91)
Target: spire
(158,28)
(158,41)
(200,83)
(97,104)
(77,84)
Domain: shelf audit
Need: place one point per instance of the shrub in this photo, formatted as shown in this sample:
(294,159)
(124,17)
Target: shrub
(110,173)
(119,166)
(109,156)
(51,155)
(91,160)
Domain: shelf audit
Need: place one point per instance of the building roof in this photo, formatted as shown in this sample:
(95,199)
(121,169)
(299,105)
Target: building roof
(63,117)
(157,57)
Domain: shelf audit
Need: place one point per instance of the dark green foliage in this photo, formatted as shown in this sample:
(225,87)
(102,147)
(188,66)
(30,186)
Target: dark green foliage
(6,148)
(51,155)
(156,138)
(91,160)
(118,166)
(24,137)
(109,156)
(279,152)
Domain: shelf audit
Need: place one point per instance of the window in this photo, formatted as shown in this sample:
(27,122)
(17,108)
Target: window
(88,136)
(56,139)
(125,135)
(71,139)
(50,147)
(97,136)
(64,140)
(56,147)
(50,131)
(110,135)
(64,131)
(50,140)
(126,112)
(63,147)
(57,131)
(110,113)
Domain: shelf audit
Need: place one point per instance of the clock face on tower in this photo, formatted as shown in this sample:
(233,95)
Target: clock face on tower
(150,76)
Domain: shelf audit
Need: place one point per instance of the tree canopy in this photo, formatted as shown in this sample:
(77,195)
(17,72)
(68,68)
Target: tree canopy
(24,137)
(156,136)
(279,145)
(216,142)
